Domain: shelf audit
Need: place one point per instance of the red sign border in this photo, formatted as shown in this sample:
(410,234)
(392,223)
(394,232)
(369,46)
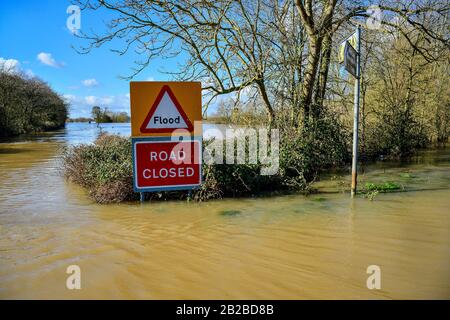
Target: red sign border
(164,89)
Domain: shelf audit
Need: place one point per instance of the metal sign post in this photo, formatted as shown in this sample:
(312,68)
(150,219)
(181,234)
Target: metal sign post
(356,114)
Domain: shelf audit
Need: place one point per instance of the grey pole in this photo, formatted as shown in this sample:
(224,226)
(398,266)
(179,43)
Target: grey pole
(356,115)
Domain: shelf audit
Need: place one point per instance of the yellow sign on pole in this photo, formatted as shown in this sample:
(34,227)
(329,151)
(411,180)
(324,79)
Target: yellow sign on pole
(165,108)
(353,42)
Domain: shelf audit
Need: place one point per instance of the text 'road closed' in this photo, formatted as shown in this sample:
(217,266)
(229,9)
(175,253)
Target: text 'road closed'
(167,164)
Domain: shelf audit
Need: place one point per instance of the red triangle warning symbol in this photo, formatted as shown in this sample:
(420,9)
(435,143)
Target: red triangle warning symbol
(166,114)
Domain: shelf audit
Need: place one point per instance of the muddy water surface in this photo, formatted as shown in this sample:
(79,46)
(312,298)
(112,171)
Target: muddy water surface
(287,247)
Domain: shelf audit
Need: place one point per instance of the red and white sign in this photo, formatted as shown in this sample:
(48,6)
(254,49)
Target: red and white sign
(166,165)
(166,114)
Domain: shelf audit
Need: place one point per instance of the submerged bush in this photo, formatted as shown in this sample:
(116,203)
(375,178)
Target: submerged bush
(303,154)
(382,187)
(371,190)
(105,170)
(105,167)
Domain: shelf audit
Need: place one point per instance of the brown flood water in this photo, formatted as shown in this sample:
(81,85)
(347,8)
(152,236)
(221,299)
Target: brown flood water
(285,247)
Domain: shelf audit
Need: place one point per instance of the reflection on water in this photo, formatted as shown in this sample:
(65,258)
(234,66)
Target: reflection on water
(76,133)
(289,247)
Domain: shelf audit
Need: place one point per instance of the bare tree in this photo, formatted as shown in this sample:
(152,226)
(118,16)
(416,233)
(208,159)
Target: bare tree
(227,43)
(264,44)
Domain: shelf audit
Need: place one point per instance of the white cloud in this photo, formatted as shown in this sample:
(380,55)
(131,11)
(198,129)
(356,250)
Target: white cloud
(14,66)
(70,98)
(9,65)
(90,83)
(82,105)
(108,101)
(47,59)
(29,73)
(150,79)
(91,100)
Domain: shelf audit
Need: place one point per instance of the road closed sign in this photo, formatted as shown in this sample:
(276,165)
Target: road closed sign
(165,108)
(166,134)
(166,165)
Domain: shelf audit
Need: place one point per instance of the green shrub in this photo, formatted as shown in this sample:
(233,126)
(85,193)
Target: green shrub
(28,105)
(304,153)
(103,168)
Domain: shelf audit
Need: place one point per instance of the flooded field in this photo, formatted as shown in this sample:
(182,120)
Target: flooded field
(285,247)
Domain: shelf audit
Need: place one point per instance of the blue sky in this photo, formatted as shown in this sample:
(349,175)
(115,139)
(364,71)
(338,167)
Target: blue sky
(35,39)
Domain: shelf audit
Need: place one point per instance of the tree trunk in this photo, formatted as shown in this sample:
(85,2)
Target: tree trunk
(315,44)
(316,35)
(323,72)
(269,109)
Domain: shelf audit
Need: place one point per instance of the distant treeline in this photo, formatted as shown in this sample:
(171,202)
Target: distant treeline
(81,119)
(103,115)
(29,105)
